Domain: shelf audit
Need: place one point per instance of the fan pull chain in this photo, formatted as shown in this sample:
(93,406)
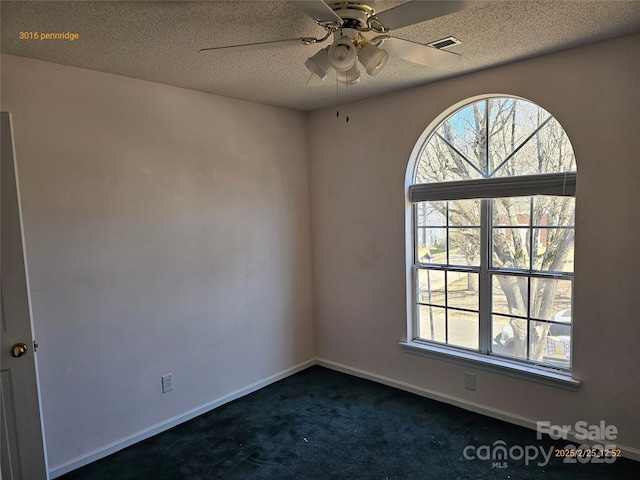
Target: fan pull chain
(338,100)
(347,100)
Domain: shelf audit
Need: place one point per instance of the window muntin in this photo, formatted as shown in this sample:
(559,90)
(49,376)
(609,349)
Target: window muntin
(495,137)
(494,273)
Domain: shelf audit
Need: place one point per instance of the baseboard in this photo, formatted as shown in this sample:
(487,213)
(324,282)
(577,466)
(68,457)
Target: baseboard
(627,451)
(125,442)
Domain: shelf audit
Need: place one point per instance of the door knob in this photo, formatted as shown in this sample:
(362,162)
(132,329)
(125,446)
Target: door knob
(18,350)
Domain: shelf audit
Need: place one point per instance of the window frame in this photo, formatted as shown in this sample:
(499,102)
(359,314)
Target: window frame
(559,184)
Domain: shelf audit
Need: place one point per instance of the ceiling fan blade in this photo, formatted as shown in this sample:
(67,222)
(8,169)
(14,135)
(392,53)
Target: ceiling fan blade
(319,11)
(419,11)
(420,54)
(255,46)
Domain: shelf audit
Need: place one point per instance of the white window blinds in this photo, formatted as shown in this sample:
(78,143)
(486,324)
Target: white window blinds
(558,184)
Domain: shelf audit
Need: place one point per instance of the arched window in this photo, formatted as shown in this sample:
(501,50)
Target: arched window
(493,222)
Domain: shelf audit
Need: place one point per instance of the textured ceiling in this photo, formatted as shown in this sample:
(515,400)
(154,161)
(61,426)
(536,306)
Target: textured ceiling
(159,41)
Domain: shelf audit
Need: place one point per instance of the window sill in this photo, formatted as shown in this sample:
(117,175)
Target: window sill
(493,364)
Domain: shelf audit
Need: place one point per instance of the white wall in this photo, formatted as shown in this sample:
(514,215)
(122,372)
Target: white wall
(166,231)
(358,214)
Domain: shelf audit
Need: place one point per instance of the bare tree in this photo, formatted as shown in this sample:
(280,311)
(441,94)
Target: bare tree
(497,138)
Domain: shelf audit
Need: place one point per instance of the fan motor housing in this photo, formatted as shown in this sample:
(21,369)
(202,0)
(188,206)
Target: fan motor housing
(355,15)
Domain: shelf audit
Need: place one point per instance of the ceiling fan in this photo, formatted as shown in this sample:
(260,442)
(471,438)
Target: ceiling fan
(348,21)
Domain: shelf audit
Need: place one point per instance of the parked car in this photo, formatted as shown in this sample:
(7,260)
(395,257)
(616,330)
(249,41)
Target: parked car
(560,332)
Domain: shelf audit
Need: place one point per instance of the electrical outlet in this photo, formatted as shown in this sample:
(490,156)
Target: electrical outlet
(470,380)
(167,382)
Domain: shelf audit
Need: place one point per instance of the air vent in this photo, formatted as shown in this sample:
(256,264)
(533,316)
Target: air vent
(445,43)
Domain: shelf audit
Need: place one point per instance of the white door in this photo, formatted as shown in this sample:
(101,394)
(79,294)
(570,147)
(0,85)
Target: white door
(22,442)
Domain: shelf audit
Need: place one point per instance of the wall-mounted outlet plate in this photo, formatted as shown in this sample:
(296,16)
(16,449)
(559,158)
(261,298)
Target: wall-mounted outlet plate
(167,382)
(470,380)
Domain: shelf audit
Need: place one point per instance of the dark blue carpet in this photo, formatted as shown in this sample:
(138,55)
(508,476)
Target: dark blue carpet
(321,424)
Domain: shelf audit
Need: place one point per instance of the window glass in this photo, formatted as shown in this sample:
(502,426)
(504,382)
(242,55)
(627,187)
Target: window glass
(520,247)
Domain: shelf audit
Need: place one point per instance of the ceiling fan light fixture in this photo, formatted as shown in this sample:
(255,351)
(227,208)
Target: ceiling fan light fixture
(349,77)
(372,58)
(318,64)
(342,55)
